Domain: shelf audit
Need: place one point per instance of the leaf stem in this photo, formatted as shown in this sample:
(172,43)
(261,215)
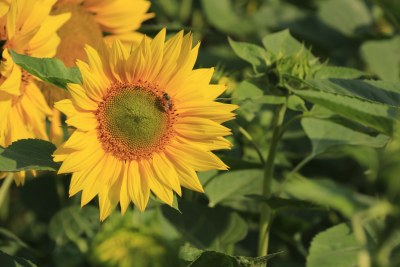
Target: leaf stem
(5,186)
(266,212)
(255,146)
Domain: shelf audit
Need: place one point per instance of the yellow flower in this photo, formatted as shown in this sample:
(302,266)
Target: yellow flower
(119,19)
(27,28)
(145,121)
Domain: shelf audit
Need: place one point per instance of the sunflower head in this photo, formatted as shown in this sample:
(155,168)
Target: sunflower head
(145,122)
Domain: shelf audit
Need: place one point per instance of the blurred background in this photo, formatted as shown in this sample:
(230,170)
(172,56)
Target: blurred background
(40,223)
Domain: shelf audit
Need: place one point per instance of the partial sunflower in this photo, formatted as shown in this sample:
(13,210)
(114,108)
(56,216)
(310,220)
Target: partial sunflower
(145,121)
(27,28)
(90,21)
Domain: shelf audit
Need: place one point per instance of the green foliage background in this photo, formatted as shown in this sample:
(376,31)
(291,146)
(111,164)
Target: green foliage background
(330,67)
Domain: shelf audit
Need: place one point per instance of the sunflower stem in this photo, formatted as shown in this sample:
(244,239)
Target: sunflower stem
(266,212)
(5,186)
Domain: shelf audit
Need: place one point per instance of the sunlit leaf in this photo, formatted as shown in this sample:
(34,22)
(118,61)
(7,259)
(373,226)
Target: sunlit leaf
(251,53)
(380,117)
(337,247)
(234,184)
(325,134)
(222,15)
(327,193)
(51,70)
(348,17)
(327,72)
(383,58)
(282,43)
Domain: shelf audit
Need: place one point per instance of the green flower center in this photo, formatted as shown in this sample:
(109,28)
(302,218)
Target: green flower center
(134,122)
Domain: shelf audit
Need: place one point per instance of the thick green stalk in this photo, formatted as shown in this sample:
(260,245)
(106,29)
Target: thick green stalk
(266,212)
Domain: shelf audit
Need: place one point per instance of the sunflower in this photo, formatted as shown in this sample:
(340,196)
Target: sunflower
(145,121)
(90,20)
(27,28)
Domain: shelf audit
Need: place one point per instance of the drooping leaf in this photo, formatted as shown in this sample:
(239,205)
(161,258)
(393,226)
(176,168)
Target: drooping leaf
(234,184)
(28,154)
(51,70)
(376,91)
(325,134)
(337,247)
(207,228)
(382,118)
(251,53)
(326,193)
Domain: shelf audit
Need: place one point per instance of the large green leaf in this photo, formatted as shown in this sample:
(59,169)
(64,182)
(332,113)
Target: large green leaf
(51,70)
(325,134)
(234,184)
(383,58)
(382,118)
(207,228)
(375,91)
(326,193)
(222,16)
(254,54)
(28,154)
(337,247)
(347,17)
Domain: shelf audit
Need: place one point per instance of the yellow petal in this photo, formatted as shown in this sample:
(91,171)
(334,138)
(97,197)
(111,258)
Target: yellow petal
(161,191)
(138,186)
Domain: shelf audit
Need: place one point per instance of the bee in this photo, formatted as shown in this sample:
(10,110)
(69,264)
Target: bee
(166,102)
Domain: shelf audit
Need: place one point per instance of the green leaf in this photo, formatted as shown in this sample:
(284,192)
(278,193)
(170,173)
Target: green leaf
(336,247)
(383,58)
(296,103)
(327,72)
(207,228)
(51,70)
(74,224)
(348,17)
(282,43)
(28,154)
(325,192)
(251,53)
(376,116)
(250,90)
(10,261)
(233,184)
(376,91)
(222,16)
(325,134)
